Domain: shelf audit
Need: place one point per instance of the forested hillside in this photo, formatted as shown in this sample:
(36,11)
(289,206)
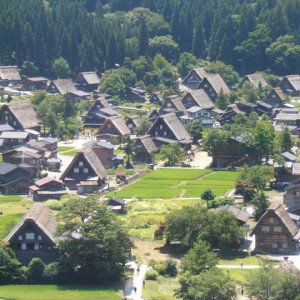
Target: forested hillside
(250,35)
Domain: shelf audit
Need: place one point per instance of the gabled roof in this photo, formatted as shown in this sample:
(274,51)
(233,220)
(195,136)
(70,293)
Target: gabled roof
(117,199)
(218,83)
(289,156)
(64,86)
(201,73)
(24,113)
(283,215)
(9,73)
(175,99)
(279,93)
(119,124)
(135,120)
(93,160)
(89,77)
(14,135)
(46,180)
(6,168)
(42,217)
(148,143)
(201,98)
(257,80)
(239,214)
(294,81)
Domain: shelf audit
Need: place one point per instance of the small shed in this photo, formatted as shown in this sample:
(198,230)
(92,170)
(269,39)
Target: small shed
(53,164)
(118,205)
(87,187)
(120,175)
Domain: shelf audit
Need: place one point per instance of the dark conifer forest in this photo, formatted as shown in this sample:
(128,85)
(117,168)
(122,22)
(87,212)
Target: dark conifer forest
(250,35)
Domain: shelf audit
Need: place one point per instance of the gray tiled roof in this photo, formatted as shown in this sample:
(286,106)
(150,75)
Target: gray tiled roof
(5,168)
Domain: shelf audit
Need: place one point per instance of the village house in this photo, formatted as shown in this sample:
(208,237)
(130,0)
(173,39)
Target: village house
(288,117)
(255,80)
(214,85)
(47,188)
(291,196)
(87,81)
(113,128)
(33,236)
(133,122)
(173,104)
(85,172)
(241,216)
(276,97)
(197,98)
(61,86)
(20,116)
(152,114)
(144,150)
(108,98)
(9,76)
(14,179)
(168,129)
(156,98)
(35,83)
(192,79)
(290,85)
(9,139)
(292,173)
(263,108)
(137,95)
(275,232)
(117,205)
(77,96)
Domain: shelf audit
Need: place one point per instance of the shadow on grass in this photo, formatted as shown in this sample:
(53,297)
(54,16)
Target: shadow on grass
(173,250)
(86,287)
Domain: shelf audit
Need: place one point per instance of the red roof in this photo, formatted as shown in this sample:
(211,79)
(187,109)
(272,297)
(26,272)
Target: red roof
(120,173)
(44,181)
(34,188)
(91,182)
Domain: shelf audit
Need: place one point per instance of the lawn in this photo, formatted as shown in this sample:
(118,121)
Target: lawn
(70,152)
(249,260)
(65,148)
(57,292)
(4,199)
(240,275)
(162,289)
(144,216)
(7,222)
(180,183)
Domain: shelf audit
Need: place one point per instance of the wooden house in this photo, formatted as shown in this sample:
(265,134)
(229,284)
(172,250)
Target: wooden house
(290,85)
(197,98)
(291,196)
(193,79)
(47,188)
(276,97)
(263,108)
(33,236)
(144,150)
(19,115)
(87,81)
(213,85)
(85,168)
(53,164)
(173,104)
(137,95)
(117,205)
(13,179)
(77,96)
(204,115)
(156,98)
(168,129)
(241,216)
(9,76)
(113,127)
(152,114)
(29,157)
(275,232)
(10,139)
(255,80)
(133,122)
(61,86)
(35,83)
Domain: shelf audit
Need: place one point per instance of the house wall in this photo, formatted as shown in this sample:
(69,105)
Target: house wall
(192,80)
(288,88)
(160,129)
(274,100)
(292,197)
(188,101)
(268,238)
(6,117)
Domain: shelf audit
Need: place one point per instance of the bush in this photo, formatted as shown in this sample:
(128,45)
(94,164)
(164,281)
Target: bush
(167,268)
(54,204)
(35,270)
(151,275)
(51,272)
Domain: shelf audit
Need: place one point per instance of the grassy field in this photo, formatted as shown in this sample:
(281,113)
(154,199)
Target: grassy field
(144,216)
(249,260)
(162,289)
(12,208)
(240,275)
(180,183)
(65,148)
(57,292)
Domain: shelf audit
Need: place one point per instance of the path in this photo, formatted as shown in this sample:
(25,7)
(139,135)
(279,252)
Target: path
(133,289)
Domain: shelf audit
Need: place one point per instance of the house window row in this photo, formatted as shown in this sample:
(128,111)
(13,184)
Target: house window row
(85,170)
(29,236)
(32,246)
(267,229)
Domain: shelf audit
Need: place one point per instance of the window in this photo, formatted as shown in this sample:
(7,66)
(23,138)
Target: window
(85,170)
(165,133)
(15,123)
(76,170)
(39,237)
(284,245)
(271,220)
(30,236)
(277,228)
(160,127)
(23,246)
(20,238)
(40,246)
(274,245)
(36,246)
(156,133)
(265,228)
(80,163)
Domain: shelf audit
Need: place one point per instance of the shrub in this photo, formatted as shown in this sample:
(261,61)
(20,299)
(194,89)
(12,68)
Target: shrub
(51,272)
(54,204)
(168,268)
(151,275)
(35,270)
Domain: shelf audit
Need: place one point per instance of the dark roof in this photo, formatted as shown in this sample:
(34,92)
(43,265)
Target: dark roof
(49,140)
(9,73)
(239,214)
(148,143)
(5,168)
(46,180)
(264,104)
(294,81)
(201,98)
(42,217)
(117,199)
(175,99)
(24,113)
(283,215)
(256,80)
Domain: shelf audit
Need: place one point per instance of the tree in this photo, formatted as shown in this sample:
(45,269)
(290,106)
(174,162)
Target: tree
(199,258)
(195,129)
(208,195)
(143,38)
(245,189)
(61,68)
(260,204)
(186,62)
(96,245)
(213,284)
(143,128)
(172,153)
(286,140)
(214,139)
(113,84)
(222,100)
(35,270)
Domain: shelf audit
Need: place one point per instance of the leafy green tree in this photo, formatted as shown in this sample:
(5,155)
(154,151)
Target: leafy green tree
(186,62)
(143,128)
(214,139)
(143,38)
(195,129)
(61,68)
(96,245)
(172,153)
(113,84)
(160,63)
(210,285)
(261,204)
(35,270)
(199,258)
(286,140)
(208,195)
(222,100)
(245,189)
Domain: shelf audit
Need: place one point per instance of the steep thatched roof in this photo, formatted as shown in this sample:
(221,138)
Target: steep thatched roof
(148,143)
(218,83)
(9,73)
(88,77)
(64,86)
(201,98)
(257,80)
